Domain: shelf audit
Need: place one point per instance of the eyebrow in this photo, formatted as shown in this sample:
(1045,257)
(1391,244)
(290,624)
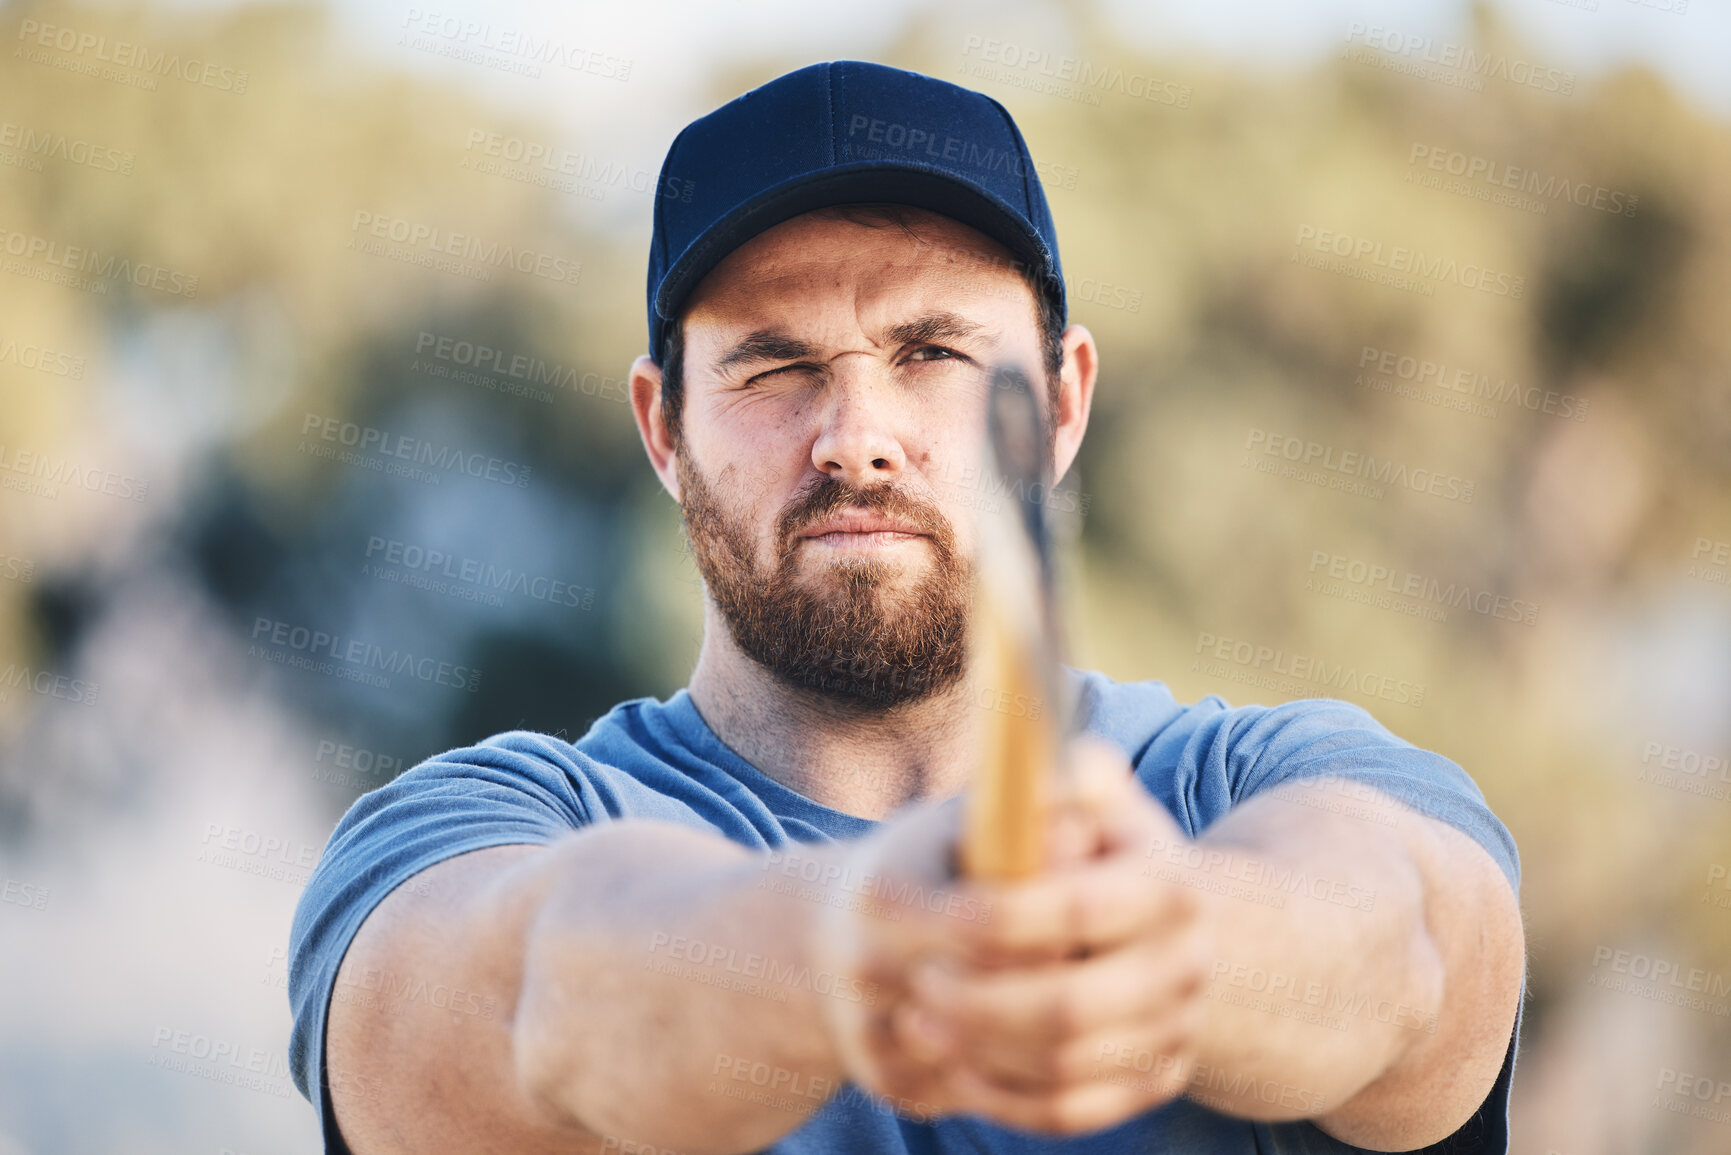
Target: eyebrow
(765,345)
(773,345)
(931,328)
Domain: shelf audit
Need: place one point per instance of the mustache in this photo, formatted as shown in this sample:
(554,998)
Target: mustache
(826,495)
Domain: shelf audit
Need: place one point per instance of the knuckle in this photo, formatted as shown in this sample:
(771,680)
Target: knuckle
(1063,1013)
(1192,974)
(1190,1024)
(1185,905)
(1075,1062)
(1084,908)
(1046,1065)
(1071,1115)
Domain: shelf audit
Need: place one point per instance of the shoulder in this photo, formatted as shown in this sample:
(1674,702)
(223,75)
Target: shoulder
(1139,714)
(578,778)
(1131,714)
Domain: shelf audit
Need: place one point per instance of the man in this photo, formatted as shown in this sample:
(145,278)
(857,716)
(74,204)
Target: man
(729,921)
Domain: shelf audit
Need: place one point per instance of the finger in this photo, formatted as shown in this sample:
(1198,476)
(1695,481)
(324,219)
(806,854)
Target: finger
(1147,1056)
(1072,1110)
(1101,796)
(1075,837)
(900,1075)
(1018,1023)
(1096,773)
(1090,907)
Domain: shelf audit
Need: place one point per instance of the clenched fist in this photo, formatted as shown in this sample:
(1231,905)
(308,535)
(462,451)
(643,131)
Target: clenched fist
(1066,1002)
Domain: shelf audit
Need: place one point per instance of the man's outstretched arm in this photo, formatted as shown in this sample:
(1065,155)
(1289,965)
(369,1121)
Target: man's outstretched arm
(597,1029)
(1391,974)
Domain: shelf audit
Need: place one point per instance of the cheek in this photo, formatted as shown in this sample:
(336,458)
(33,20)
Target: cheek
(756,458)
(959,490)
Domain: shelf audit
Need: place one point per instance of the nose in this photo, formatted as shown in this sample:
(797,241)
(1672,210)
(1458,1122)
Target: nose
(857,442)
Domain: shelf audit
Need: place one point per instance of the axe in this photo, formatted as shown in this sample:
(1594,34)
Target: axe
(1014,641)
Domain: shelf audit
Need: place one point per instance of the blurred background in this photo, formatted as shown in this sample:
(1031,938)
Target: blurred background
(315,460)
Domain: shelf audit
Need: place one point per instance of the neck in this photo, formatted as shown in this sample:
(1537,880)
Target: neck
(865,762)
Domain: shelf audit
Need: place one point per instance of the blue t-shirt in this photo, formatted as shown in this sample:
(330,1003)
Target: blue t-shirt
(660,760)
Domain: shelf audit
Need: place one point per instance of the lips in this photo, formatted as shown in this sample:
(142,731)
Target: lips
(859,521)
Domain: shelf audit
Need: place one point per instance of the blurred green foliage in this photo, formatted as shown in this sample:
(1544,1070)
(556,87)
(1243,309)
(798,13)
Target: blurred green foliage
(1197,213)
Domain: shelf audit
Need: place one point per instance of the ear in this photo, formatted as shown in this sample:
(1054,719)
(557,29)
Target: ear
(651,427)
(1075,396)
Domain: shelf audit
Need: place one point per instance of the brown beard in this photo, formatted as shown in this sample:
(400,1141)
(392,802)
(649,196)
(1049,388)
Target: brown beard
(844,635)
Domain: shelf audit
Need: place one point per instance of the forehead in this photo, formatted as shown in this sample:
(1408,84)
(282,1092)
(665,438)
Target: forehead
(865,256)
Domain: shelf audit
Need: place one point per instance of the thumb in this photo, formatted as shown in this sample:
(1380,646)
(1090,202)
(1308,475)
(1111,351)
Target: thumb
(1097,775)
(1090,798)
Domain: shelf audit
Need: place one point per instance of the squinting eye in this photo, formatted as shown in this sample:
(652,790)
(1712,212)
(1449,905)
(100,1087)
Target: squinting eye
(938,352)
(796,367)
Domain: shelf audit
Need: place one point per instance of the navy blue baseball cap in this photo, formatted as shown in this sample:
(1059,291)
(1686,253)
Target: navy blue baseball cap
(840,133)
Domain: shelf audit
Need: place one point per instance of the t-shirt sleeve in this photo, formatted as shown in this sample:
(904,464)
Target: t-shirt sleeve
(513,789)
(1230,755)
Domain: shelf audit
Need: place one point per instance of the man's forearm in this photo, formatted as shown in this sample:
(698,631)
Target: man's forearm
(1324,973)
(667,994)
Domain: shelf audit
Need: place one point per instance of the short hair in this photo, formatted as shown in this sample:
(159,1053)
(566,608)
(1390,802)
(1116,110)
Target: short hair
(872,215)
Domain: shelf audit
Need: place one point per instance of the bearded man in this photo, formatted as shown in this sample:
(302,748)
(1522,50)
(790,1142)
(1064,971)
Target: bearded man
(730,921)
